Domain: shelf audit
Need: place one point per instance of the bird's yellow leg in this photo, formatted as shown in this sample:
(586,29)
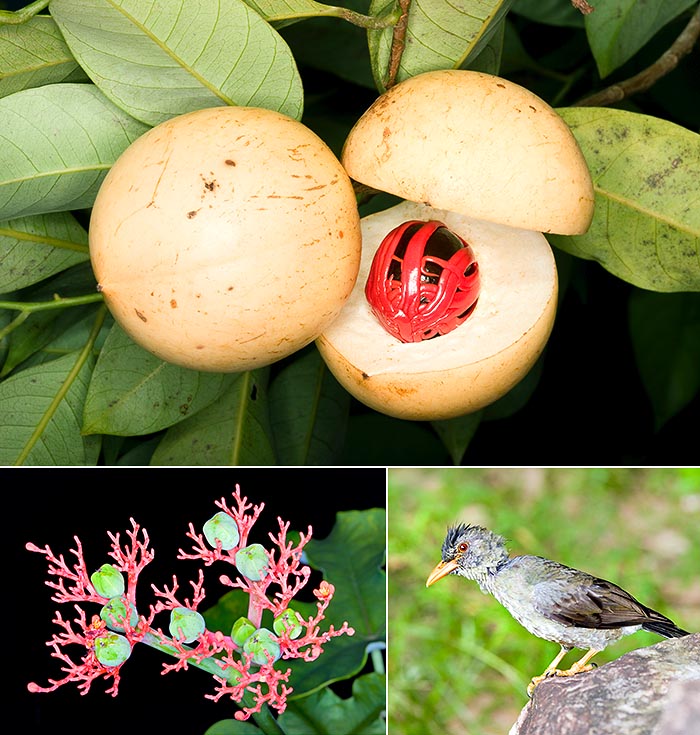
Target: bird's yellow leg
(581,665)
(549,671)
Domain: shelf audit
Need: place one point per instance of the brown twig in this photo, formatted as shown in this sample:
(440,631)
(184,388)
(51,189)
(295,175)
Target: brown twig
(666,63)
(398,44)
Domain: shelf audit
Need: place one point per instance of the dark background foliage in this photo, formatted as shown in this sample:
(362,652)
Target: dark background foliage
(53,506)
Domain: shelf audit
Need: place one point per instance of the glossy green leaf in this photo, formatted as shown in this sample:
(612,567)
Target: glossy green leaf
(133,392)
(233,727)
(37,426)
(234,430)
(34,248)
(645,170)
(440,35)
(161,58)
(352,559)
(617,29)
(56,144)
(33,54)
(325,712)
(309,411)
(665,332)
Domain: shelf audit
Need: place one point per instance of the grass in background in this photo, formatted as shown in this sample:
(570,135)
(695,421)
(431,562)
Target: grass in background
(458,663)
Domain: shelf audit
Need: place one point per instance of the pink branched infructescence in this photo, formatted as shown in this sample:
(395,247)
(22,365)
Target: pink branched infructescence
(233,670)
(89,668)
(244,522)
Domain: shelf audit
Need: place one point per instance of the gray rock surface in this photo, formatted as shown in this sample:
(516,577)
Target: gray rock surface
(653,690)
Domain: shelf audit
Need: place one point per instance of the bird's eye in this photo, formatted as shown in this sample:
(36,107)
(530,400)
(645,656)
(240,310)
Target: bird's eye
(462,547)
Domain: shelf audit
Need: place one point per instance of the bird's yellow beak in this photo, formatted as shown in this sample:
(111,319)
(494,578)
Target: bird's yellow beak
(441,570)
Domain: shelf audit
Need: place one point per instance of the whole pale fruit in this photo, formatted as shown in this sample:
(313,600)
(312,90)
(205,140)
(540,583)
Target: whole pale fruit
(226,239)
(496,165)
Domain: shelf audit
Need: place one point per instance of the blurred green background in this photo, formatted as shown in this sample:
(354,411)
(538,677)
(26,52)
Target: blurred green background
(458,663)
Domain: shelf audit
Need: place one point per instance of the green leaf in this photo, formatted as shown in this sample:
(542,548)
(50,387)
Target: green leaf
(42,327)
(34,248)
(316,45)
(33,54)
(352,559)
(233,727)
(440,35)
(160,58)
(646,226)
(665,332)
(617,29)
(457,433)
(309,411)
(40,429)
(235,430)
(549,12)
(56,144)
(325,712)
(133,392)
(277,10)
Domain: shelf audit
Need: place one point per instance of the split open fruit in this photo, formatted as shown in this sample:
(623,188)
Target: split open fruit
(226,239)
(499,167)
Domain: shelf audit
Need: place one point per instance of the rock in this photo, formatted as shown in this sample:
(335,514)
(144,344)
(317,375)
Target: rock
(653,690)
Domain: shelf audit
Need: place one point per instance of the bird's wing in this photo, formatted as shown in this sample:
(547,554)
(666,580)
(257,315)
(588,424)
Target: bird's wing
(575,598)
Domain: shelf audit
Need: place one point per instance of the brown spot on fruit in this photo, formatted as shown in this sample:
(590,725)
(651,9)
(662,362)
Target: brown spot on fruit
(140,315)
(229,162)
(173,304)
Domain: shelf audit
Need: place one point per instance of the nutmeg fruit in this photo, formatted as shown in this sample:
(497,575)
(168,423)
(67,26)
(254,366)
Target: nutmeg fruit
(498,166)
(226,239)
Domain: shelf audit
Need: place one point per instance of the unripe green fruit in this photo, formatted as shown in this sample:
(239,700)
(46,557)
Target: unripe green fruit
(252,562)
(186,625)
(241,631)
(288,621)
(261,646)
(112,649)
(223,528)
(115,612)
(108,581)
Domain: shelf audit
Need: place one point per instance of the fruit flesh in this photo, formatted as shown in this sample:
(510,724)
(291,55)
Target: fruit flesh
(477,362)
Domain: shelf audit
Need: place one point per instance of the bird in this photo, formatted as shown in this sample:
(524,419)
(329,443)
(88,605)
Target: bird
(552,601)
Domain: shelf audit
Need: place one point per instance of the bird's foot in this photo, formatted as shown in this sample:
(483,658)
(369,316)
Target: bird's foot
(576,668)
(539,679)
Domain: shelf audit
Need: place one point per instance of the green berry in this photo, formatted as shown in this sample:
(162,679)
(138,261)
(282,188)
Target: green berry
(221,527)
(288,621)
(241,631)
(108,581)
(261,645)
(190,622)
(112,649)
(252,562)
(115,612)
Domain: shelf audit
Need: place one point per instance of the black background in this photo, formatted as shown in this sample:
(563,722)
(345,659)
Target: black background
(51,506)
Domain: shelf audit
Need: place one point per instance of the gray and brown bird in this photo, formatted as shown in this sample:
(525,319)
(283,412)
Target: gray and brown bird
(552,601)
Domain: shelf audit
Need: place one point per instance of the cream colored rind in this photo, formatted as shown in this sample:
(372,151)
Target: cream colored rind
(474,143)
(473,365)
(226,239)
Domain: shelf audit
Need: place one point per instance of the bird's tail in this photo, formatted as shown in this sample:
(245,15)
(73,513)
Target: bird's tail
(665,628)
